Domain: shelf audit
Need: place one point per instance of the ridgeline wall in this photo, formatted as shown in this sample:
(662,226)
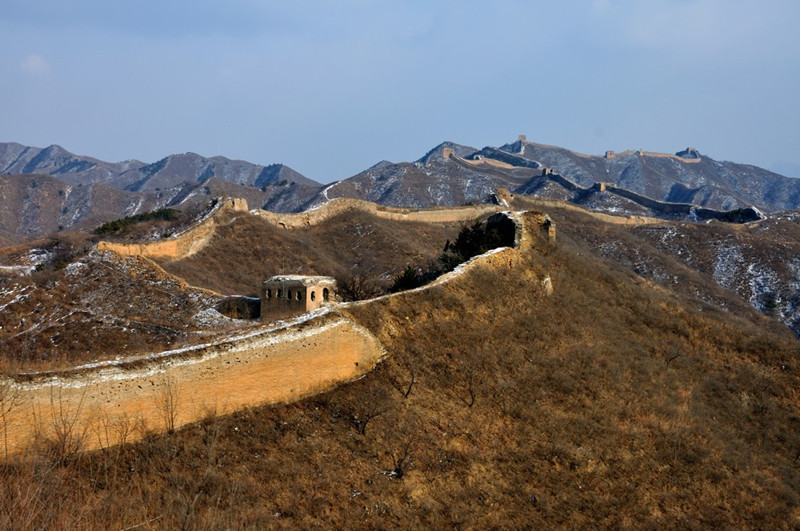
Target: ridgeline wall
(100,406)
(104,404)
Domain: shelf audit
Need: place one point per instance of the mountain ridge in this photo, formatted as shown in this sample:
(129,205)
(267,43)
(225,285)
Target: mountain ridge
(636,182)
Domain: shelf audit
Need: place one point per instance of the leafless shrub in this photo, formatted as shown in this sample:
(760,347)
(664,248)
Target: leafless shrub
(8,396)
(66,438)
(117,432)
(167,400)
(360,411)
(401,461)
(405,386)
(358,284)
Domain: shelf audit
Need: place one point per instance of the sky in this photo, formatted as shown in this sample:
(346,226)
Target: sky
(331,87)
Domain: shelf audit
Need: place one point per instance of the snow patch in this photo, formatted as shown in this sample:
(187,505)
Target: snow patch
(76,268)
(728,262)
(209,317)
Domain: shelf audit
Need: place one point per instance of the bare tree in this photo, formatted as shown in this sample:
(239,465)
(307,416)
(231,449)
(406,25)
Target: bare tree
(167,402)
(358,284)
(8,396)
(361,410)
(364,415)
(68,437)
(403,387)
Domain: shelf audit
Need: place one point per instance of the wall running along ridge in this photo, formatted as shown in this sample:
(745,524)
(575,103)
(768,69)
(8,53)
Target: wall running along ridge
(108,403)
(340,205)
(197,237)
(181,245)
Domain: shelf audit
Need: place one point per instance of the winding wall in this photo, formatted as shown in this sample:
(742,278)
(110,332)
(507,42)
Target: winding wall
(109,403)
(342,205)
(181,245)
(102,406)
(198,236)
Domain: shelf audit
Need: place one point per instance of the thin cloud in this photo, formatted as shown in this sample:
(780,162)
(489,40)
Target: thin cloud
(36,65)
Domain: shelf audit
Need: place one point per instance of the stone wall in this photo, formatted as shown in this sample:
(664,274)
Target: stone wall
(180,245)
(105,405)
(195,238)
(341,205)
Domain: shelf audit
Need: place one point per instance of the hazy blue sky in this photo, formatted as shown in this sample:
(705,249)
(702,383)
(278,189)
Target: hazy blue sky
(330,87)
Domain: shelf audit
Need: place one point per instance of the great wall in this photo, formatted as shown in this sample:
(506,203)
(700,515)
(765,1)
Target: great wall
(192,240)
(103,404)
(501,159)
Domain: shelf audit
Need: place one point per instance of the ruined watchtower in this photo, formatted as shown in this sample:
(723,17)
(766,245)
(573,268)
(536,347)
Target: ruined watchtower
(287,295)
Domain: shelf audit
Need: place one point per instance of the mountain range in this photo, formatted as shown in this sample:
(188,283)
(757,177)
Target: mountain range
(49,189)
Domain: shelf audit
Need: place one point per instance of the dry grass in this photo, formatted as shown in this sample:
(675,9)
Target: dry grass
(608,404)
(249,250)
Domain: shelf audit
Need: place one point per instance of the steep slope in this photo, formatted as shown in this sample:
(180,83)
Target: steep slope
(610,403)
(731,266)
(131,187)
(16,159)
(38,205)
(191,167)
(34,205)
(100,306)
(168,172)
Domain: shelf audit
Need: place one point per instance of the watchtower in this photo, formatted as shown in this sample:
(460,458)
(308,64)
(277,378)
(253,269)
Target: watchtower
(287,295)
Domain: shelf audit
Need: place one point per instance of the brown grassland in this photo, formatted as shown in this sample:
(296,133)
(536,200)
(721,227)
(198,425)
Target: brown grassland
(611,403)
(354,244)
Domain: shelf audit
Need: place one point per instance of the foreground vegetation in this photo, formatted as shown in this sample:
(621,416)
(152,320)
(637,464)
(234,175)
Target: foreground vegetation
(609,403)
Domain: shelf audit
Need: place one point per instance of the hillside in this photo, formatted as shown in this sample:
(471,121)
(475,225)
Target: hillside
(64,302)
(353,246)
(613,402)
(730,266)
(100,306)
(433,180)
